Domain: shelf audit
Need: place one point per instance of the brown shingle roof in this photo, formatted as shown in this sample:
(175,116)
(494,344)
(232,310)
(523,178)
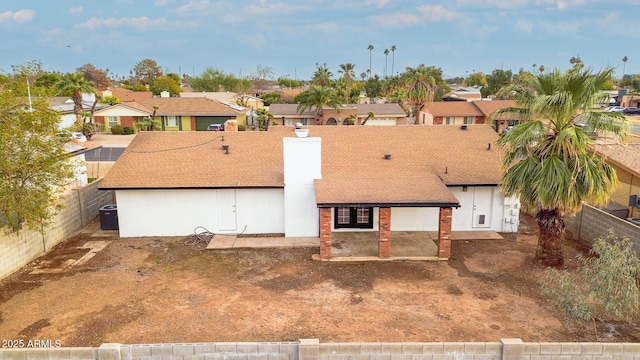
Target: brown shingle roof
(178,106)
(453,108)
(624,155)
(423,160)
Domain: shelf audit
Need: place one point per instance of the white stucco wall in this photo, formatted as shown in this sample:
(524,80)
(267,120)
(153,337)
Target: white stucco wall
(302,165)
(414,219)
(381,122)
(178,212)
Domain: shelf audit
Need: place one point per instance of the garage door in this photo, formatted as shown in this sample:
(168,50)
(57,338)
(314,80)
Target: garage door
(203,121)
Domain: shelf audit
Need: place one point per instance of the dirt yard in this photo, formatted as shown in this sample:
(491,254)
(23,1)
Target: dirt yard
(154,290)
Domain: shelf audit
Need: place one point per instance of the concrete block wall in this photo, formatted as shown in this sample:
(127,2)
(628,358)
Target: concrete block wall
(80,206)
(591,223)
(312,349)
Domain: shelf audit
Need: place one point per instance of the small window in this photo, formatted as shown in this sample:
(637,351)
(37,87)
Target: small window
(450,120)
(113,121)
(481,219)
(468,120)
(304,121)
(332,121)
(353,217)
(170,121)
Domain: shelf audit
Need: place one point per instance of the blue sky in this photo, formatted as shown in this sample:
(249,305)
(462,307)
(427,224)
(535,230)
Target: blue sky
(291,36)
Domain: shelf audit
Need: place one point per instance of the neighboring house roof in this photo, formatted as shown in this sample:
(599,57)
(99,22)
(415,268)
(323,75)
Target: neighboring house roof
(452,108)
(354,169)
(130,108)
(126,95)
(178,106)
(388,109)
(65,105)
(391,109)
(223,96)
(626,156)
(488,107)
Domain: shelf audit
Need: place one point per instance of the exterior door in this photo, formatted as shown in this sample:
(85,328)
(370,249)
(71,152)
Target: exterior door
(227,210)
(482,200)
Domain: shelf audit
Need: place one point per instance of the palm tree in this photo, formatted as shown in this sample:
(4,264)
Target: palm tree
(322,76)
(386,56)
(624,64)
(548,160)
(421,85)
(393,57)
(370,48)
(316,98)
(370,115)
(347,71)
(75,84)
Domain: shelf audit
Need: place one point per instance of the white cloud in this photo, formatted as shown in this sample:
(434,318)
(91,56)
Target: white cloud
(162,2)
(141,23)
(265,8)
(524,25)
(610,20)
(395,20)
(193,7)
(76,10)
(562,4)
(20,16)
(501,4)
(378,3)
(436,13)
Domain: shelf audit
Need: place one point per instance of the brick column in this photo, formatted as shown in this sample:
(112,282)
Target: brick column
(444,233)
(384,233)
(325,233)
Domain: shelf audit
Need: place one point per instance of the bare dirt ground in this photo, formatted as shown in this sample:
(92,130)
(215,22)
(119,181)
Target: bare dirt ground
(154,290)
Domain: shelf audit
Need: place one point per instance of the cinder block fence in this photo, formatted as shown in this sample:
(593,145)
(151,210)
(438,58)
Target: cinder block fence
(312,349)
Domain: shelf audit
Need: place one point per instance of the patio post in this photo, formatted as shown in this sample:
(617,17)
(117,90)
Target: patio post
(325,233)
(444,232)
(384,232)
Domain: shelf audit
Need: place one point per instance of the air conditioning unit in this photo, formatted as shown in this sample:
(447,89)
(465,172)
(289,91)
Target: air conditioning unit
(634,200)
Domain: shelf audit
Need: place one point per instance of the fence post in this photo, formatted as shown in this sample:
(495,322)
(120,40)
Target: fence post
(512,349)
(308,349)
(109,351)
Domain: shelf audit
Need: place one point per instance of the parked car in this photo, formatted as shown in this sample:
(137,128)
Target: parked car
(507,129)
(215,127)
(615,108)
(631,111)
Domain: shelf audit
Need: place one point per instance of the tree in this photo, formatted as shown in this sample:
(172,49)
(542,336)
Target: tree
(373,87)
(370,48)
(100,78)
(32,158)
(165,83)
(48,80)
(111,100)
(624,64)
(264,119)
(496,81)
(75,84)
(386,56)
(317,98)
(605,285)
(393,57)
(421,84)
(577,63)
(548,160)
(146,71)
(476,79)
(370,115)
(322,76)
(262,78)
(348,76)
(216,80)
(272,98)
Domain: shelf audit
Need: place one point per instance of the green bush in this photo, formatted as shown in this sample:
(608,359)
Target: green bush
(117,130)
(242,127)
(127,131)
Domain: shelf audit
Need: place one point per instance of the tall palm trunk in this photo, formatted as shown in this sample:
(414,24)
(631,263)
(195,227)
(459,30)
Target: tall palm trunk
(77,107)
(551,237)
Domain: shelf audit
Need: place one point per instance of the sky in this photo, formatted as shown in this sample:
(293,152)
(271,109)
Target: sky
(292,37)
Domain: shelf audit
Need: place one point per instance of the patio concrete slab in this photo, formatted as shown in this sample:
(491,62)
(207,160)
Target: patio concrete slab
(469,235)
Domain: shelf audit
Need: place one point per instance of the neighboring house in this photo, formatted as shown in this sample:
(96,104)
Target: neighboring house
(467,93)
(64,106)
(338,179)
(244,100)
(172,113)
(625,159)
(630,100)
(465,113)
(383,114)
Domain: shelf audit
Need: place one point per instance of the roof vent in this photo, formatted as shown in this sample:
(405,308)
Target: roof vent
(387,156)
(225,147)
(463,127)
(302,133)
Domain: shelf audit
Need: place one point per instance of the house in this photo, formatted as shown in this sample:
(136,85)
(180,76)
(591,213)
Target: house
(465,112)
(173,113)
(336,179)
(64,105)
(349,114)
(467,93)
(625,159)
